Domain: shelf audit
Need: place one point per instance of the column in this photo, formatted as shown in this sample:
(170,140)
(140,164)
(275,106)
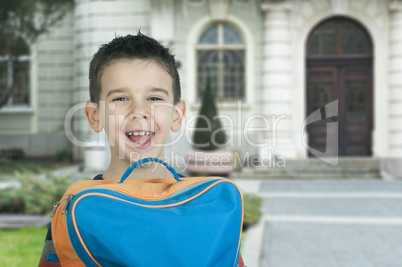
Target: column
(277,80)
(395,82)
(390,164)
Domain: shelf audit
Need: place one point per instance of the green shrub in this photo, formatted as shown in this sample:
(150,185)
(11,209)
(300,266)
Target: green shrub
(28,165)
(39,195)
(252,209)
(64,155)
(11,201)
(35,195)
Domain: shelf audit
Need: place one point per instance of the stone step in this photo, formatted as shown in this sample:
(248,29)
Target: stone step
(338,169)
(318,162)
(347,168)
(304,176)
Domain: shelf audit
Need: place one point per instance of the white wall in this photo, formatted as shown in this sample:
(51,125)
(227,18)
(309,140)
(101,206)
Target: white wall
(39,129)
(54,77)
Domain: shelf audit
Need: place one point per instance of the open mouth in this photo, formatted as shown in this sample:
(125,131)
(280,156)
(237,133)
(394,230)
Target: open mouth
(140,138)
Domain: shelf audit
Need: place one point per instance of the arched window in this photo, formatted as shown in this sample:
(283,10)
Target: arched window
(339,37)
(14,74)
(221,58)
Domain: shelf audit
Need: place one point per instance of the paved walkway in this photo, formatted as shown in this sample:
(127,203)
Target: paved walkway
(326,224)
(17,221)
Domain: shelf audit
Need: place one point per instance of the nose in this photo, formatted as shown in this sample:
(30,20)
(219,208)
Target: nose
(139,111)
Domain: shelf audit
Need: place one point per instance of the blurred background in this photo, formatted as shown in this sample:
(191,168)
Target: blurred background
(271,64)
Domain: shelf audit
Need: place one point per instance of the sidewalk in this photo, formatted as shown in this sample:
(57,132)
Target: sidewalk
(326,223)
(16,221)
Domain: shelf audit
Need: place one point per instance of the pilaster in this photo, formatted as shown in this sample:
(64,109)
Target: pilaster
(277,79)
(395,82)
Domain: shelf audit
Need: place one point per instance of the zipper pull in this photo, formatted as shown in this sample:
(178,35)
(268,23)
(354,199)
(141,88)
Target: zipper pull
(68,200)
(55,205)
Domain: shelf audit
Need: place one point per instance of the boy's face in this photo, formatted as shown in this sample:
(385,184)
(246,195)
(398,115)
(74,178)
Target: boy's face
(136,109)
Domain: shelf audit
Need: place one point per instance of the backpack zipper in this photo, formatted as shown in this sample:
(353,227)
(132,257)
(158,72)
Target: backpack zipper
(55,205)
(68,200)
(58,203)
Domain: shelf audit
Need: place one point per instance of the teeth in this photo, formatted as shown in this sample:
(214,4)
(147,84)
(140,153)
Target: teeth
(139,133)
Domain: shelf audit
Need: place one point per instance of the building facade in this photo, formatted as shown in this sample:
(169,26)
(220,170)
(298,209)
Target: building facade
(276,65)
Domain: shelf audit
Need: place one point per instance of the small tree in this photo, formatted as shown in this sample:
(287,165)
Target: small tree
(209,134)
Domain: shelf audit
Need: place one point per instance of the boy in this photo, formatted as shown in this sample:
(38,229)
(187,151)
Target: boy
(135,97)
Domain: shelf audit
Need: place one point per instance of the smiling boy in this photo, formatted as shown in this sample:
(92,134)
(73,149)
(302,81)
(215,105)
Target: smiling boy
(140,110)
(135,97)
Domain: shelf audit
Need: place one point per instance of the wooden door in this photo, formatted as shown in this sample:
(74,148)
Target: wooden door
(339,64)
(321,90)
(355,118)
(350,84)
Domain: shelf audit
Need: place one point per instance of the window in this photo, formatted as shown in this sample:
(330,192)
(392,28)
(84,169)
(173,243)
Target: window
(14,76)
(339,37)
(220,58)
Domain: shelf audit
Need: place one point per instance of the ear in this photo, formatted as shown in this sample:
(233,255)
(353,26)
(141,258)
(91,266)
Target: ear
(92,114)
(179,112)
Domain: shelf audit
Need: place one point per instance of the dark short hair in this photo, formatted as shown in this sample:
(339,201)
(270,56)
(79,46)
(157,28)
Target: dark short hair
(137,46)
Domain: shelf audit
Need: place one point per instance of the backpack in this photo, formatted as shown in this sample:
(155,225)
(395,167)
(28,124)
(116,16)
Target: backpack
(149,222)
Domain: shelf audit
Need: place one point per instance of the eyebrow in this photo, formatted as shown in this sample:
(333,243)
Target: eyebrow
(122,90)
(160,90)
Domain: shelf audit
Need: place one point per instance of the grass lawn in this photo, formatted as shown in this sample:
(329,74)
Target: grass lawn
(21,247)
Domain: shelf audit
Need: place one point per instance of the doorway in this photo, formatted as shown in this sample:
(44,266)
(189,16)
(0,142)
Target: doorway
(339,67)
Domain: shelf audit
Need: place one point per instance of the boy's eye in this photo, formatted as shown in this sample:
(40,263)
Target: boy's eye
(122,98)
(155,98)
